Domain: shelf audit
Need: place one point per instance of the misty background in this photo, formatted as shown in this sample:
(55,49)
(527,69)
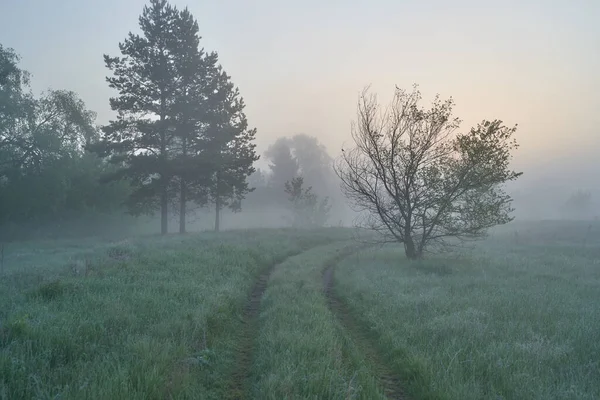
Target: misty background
(301,67)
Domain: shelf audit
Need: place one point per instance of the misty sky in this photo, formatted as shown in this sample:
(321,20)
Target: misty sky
(300,65)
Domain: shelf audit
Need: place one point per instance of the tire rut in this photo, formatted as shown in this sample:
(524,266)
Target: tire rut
(238,388)
(390,383)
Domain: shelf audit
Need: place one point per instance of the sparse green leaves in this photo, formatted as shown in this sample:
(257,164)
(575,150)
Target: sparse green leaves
(419,183)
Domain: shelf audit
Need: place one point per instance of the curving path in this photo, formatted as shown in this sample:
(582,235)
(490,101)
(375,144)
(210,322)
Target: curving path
(387,379)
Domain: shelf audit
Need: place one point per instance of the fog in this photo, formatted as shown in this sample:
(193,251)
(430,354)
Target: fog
(301,66)
(291,209)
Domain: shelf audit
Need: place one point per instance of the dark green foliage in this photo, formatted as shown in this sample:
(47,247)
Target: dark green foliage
(215,153)
(14,102)
(140,140)
(181,133)
(46,176)
(226,146)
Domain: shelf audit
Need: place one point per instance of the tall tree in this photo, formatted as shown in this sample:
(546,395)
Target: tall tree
(141,139)
(191,109)
(419,183)
(229,146)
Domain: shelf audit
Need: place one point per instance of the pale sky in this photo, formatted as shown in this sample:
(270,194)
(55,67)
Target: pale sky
(300,65)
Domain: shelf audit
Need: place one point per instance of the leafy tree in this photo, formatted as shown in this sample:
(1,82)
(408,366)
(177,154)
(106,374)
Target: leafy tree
(43,131)
(307,210)
(141,140)
(46,176)
(16,105)
(15,102)
(420,184)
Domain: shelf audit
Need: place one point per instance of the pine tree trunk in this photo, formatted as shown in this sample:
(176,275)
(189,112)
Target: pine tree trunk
(164,202)
(183,193)
(164,194)
(182,206)
(217,206)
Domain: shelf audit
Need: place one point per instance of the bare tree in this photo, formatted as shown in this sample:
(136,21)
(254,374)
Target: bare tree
(418,182)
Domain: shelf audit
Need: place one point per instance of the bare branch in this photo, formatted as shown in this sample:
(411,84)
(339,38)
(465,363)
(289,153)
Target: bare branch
(417,180)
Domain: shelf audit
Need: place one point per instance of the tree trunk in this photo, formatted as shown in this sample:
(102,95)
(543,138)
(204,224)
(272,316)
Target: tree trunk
(217,214)
(164,203)
(217,204)
(164,190)
(409,248)
(182,192)
(182,205)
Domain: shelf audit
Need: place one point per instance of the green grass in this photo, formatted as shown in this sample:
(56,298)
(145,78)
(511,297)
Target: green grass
(517,317)
(512,319)
(302,351)
(149,318)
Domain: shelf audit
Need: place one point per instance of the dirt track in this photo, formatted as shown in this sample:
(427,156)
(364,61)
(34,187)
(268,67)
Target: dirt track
(389,382)
(238,389)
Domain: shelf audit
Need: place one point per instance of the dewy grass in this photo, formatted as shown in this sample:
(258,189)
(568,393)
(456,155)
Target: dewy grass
(150,318)
(508,321)
(302,352)
(156,318)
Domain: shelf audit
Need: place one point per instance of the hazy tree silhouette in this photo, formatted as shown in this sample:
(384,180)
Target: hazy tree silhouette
(420,184)
(46,175)
(307,209)
(180,129)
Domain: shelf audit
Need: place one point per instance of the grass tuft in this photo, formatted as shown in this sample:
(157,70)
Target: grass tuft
(52,290)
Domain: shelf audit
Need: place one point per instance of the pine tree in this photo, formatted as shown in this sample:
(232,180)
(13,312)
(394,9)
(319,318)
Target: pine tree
(191,108)
(229,143)
(141,139)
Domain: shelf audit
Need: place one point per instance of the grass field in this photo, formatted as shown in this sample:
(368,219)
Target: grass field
(150,318)
(254,315)
(517,318)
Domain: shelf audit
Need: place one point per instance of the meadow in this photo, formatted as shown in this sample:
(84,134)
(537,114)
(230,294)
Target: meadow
(517,317)
(286,314)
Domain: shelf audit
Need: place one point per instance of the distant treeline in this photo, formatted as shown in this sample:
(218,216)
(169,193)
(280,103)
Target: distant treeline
(180,141)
